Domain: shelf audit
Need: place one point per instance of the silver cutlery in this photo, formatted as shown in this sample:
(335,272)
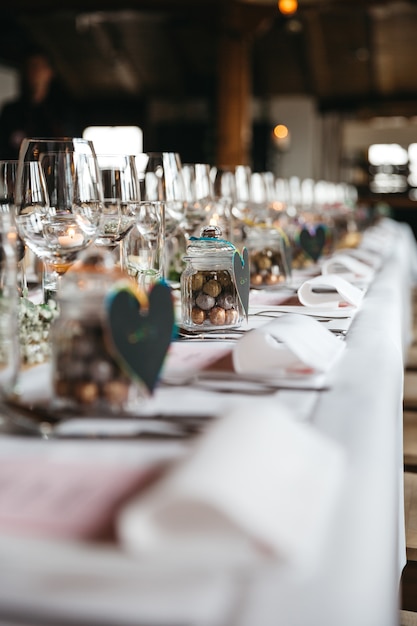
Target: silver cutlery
(232,382)
(43,421)
(280,312)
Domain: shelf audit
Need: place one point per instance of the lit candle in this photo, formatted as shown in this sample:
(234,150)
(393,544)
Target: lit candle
(71,240)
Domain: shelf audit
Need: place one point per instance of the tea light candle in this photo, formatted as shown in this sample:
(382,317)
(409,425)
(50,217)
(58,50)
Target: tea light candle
(71,240)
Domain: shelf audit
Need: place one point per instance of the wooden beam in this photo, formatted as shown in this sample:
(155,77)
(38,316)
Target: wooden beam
(238,25)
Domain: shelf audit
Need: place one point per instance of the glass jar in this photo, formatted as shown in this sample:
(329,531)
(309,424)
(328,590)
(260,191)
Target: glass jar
(9,307)
(86,375)
(209,297)
(267,257)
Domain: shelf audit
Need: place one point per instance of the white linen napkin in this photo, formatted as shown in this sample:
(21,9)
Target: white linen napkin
(291,342)
(256,485)
(329,290)
(373,259)
(348,265)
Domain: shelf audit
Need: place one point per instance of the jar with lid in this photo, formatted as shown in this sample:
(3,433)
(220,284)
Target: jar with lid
(86,375)
(209,296)
(269,261)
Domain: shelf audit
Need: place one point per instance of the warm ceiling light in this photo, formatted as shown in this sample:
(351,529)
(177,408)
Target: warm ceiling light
(280,131)
(288,7)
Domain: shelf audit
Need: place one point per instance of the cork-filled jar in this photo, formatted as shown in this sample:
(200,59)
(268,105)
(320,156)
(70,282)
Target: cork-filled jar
(209,297)
(86,374)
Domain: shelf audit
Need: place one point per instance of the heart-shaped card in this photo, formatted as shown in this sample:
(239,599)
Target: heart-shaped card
(312,240)
(242,278)
(141,336)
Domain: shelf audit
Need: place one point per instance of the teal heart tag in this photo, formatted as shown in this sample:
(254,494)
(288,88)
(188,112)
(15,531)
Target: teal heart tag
(242,278)
(141,337)
(312,241)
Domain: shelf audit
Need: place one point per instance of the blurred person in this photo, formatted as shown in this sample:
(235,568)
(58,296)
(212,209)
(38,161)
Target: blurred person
(42,109)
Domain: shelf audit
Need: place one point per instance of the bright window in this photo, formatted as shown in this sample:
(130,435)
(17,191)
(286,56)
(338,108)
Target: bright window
(115,139)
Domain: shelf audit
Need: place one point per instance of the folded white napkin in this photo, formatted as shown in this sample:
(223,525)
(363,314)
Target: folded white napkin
(257,484)
(290,342)
(379,239)
(329,290)
(373,259)
(348,265)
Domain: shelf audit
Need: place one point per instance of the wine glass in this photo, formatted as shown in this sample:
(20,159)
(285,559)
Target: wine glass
(8,171)
(224,189)
(9,307)
(121,196)
(143,247)
(58,208)
(32,148)
(161,179)
(199,194)
(243,208)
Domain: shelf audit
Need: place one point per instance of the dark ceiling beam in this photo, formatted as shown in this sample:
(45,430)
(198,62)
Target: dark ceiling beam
(316,58)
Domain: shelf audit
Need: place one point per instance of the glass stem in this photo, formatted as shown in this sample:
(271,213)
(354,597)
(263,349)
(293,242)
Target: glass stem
(50,279)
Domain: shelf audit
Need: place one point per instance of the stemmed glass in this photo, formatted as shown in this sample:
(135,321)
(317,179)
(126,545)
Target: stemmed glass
(121,196)
(243,209)
(199,194)
(224,189)
(8,171)
(143,247)
(161,180)
(58,207)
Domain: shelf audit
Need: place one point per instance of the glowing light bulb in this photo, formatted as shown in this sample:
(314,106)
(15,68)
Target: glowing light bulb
(288,7)
(280,131)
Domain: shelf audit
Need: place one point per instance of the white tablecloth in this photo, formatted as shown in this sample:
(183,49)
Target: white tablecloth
(356,581)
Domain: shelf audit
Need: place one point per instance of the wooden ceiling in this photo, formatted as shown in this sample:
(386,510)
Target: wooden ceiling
(354,55)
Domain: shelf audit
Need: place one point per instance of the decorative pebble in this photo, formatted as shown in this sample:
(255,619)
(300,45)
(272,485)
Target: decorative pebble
(212,288)
(226,300)
(217,316)
(197,281)
(205,302)
(197,315)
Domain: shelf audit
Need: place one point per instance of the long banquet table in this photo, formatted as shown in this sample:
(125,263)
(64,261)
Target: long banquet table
(355,580)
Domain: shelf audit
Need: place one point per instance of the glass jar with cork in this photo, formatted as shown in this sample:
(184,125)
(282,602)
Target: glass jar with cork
(209,297)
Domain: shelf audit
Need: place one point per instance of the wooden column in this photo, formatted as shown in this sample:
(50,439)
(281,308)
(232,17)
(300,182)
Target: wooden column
(234,87)
(234,132)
